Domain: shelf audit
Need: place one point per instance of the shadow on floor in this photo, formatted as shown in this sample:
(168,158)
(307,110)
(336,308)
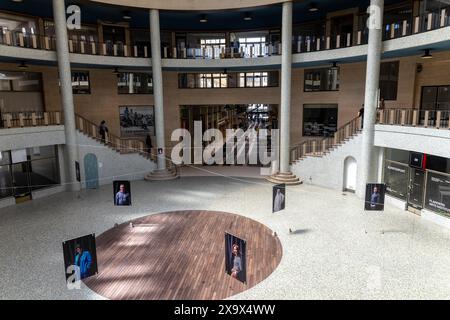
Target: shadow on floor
(300,231)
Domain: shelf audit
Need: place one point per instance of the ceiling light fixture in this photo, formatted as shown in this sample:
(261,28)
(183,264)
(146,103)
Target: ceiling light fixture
(22,65)
(247,16)
(313,7)
(203,18)
(427,54)
(16,0)
(126,15)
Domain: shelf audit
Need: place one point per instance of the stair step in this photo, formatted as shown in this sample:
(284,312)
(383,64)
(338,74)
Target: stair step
(289,183)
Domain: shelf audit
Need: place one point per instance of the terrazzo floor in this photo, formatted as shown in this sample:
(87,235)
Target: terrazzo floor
(328,256)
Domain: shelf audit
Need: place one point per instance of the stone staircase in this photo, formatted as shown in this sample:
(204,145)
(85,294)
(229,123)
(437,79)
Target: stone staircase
(288,179)
(126,146)
(170,173)
(322,147)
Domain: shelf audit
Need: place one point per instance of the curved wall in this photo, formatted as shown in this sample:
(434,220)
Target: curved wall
(191,4)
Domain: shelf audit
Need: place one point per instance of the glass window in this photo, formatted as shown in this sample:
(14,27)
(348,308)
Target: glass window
(396,179)
(320,119)
(20,81)
(5,157)
(228,80)
(44,173)
(253,46)
(397,155)
(212,47)
(437,197)
(389,80)
(41,152)
(6,186)
(324,79)
(135,83)
(80,82)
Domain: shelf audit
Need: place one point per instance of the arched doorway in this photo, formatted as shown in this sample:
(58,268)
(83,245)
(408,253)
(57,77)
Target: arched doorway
(350,172)
(91,171)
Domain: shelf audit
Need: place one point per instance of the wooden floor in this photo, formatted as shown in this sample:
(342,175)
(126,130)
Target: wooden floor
(180,255)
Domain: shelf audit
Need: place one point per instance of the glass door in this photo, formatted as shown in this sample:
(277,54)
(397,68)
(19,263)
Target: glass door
(21,181)
(415,189)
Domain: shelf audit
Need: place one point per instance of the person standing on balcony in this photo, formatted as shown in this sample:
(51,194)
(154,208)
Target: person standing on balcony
(361,114)
(102,130)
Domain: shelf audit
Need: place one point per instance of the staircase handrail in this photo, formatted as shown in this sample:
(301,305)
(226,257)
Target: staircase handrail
(319,146)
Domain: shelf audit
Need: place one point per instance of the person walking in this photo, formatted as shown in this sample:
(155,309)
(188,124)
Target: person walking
(102,130)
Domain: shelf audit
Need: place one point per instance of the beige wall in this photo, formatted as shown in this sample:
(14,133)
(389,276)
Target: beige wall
(104,101)
(435,72)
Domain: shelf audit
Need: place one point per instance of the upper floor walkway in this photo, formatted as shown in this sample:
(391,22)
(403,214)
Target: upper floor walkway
(405,37)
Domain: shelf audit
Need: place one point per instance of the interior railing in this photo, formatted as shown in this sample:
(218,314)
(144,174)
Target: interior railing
(320,146)
(301,43)
(438,119)
(30,119)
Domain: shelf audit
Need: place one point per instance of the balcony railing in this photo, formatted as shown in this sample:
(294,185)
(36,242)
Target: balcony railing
(223,52)
(320,146)
(302,43)
(415,118)
(30,119)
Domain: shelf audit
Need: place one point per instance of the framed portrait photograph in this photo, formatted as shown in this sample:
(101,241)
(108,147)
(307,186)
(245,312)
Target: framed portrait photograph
(278,197)
(235,257)
(80,257)
(374,199)
(122,193)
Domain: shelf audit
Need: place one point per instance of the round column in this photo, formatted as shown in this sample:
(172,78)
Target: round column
(157,87)
(286,75)
(369,155)
(65,78)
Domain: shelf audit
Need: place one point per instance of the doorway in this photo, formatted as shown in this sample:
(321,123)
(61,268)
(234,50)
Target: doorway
(415,190)
(350,173)
(21,181)
(434,98)
(113,35)
(91,171)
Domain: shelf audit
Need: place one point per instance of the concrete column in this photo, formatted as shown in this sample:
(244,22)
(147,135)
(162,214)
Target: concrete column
(65,78)
(369,158)
(381,154)
(157,87)
(286,75)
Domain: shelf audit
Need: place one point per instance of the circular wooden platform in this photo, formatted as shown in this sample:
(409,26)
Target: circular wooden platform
(180,255)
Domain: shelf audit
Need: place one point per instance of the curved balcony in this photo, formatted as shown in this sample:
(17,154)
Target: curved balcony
(401,38)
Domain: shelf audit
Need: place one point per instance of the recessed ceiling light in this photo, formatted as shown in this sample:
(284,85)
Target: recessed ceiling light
(313,7)
(126,15)
(16,0)
(203,18)
(247,16)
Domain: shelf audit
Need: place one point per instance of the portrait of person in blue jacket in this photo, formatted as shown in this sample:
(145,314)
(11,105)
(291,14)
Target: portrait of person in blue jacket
(83,260)
(374,199)
(122,197)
